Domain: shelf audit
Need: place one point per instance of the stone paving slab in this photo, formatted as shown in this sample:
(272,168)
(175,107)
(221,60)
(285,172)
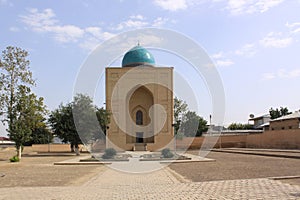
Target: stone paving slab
(234,189)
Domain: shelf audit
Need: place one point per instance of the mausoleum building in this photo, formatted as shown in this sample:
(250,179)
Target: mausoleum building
(139,96)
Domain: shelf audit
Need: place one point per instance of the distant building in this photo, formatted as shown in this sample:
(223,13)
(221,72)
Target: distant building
(5,140)
(291,121)
(261,122)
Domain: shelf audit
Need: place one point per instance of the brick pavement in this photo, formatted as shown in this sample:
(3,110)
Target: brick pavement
(160,184)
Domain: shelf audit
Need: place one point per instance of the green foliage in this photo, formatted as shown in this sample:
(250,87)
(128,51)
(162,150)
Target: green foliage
(29,115)
(14,159)
(193,125)
(84,113)
(62,124)
(166,153)
(19,107)
(40,135)
(239,126)
(276,113)
(180,108)
(14,72)
(79,117)
(109,153)
(103,117)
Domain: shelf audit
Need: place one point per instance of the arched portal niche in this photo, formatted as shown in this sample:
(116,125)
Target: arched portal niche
(140,103)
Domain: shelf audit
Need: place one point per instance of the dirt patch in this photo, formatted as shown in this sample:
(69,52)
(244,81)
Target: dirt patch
(237,166)
(35,170)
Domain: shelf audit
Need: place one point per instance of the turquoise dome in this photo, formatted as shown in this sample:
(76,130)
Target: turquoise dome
(136,56)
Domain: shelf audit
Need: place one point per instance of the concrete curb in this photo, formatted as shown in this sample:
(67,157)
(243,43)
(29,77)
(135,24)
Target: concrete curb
(82,163)
(284,177)
(256,153)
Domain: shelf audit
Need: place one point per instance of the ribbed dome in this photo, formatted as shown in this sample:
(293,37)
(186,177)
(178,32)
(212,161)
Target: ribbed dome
(138,55)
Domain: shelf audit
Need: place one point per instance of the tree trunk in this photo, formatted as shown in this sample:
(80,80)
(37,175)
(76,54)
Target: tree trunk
(77,150)
(19,152)
(72,147)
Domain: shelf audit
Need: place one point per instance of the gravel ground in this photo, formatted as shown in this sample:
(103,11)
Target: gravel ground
(237,166)
(39,171)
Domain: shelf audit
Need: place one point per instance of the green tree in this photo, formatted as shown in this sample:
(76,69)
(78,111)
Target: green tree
(15,71)
(62,123)
(180,109)
(103,117)
(193,125)
(19,107)
(87,120)
(40,135)
(28,115)
(276,113)
(202,127)
(79,121)
(239,126)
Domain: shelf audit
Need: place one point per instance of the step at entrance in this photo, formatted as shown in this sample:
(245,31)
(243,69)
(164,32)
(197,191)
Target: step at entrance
(140,147)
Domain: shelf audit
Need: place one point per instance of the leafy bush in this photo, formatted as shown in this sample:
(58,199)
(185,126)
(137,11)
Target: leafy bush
(14,159)
(109,153)
(166,153)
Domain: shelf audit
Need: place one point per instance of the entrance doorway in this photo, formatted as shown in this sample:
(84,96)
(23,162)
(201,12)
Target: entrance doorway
(139,137)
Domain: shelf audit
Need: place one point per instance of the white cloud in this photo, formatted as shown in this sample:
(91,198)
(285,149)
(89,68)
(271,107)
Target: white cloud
(14,29)
(45,22)
(131,23)
(139,21)
(247,50)
(88,38)
(224,63)
(281,74)
(89,44)
(160,21)
(276,40)
(221,60)
(238,7)
(138,17)
(218,55)
(294,27)
(172,5)
(39,21)
(67,33)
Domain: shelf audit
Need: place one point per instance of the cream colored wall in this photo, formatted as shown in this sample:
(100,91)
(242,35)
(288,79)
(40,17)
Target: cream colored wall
(279,139)
(161,95)
(285,124)
(55,148)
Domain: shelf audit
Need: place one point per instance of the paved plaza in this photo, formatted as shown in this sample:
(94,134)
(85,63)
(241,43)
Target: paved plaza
(159,184)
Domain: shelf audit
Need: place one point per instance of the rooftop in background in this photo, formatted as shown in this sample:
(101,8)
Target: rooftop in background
(261,116)
(260,121)
(4,139)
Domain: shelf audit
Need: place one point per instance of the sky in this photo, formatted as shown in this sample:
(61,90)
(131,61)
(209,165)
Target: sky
(254,44)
